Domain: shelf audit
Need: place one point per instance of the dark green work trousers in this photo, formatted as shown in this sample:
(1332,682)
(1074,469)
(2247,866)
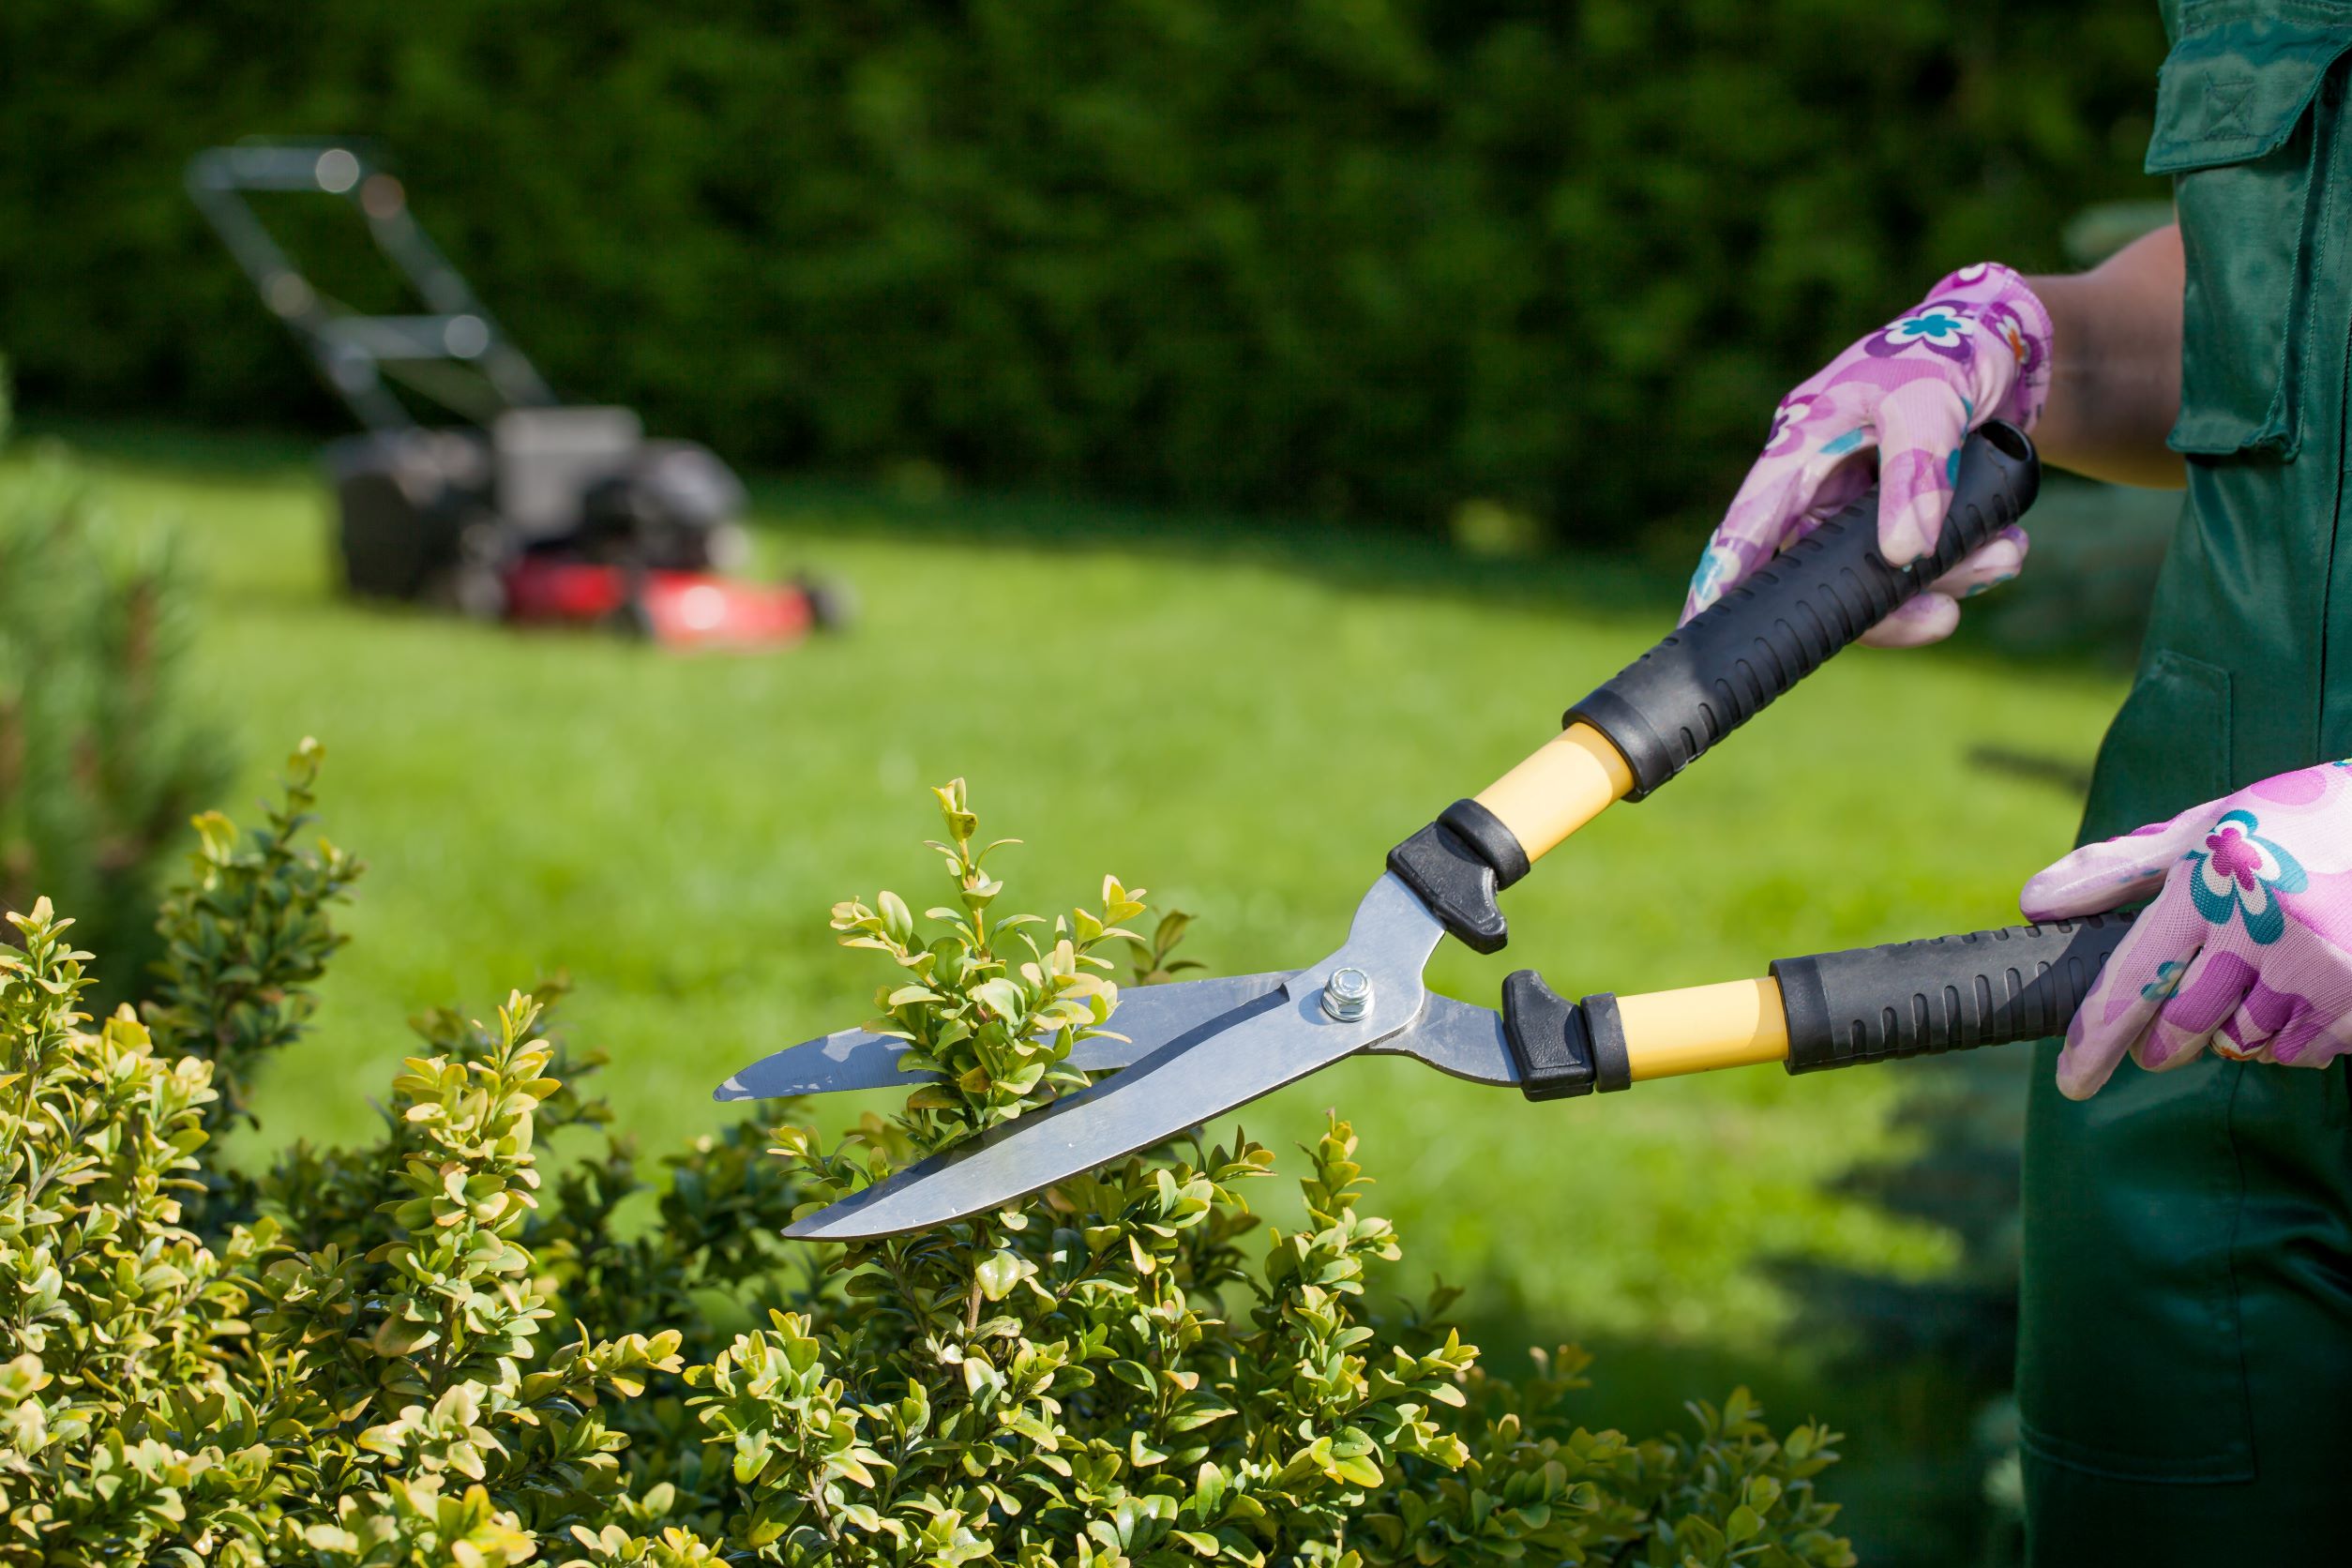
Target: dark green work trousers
(2185,1363)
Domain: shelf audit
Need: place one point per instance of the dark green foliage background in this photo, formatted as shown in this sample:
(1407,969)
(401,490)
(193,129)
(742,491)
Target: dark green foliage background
(1364,257)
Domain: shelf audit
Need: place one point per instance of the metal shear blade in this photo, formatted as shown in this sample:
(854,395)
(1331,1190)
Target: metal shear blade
(1215,1065)
(1148,1016)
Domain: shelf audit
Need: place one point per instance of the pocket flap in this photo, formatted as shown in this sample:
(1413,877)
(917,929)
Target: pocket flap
(2234,90)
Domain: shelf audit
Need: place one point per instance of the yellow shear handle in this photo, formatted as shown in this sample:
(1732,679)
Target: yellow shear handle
(1738,1023)
(1564,783)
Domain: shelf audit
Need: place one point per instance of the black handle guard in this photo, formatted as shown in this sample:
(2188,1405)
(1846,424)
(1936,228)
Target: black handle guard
(1776,627)
(1943,993)
(1563,1049)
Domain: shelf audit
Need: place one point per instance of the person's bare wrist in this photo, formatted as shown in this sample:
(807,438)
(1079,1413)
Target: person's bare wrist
(2114,365)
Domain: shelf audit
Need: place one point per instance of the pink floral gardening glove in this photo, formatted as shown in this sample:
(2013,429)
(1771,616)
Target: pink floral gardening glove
(1977,349)
(2247,947)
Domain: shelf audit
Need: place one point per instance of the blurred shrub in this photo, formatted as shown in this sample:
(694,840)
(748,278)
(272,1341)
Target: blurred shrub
(1370,257)
(395,1356)
(102,754)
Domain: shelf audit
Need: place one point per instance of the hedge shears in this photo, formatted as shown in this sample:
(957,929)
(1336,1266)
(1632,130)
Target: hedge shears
(1196,1050)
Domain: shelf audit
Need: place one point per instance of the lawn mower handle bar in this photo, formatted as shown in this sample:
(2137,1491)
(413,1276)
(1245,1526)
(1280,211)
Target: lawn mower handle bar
(1662,711)
(1827,1010)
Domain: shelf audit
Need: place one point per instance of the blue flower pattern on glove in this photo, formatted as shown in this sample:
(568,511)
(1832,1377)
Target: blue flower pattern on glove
(1718,564)
(2239,871)
(2166,982)
(1938,326)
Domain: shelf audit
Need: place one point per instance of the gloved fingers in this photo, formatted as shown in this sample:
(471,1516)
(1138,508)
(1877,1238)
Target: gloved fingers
(1990,565)
(2112,872)
(1935,614)
(2287,1027)
(1921,425)
(1799,478)
(2312,1036)
(2140,975)
(2162,1049)
(1834,483)
(2265,1023)
(1930,617)
(1749,534)
(2204,996)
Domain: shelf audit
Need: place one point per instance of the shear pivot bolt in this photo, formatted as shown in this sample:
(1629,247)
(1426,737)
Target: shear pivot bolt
(1348,994)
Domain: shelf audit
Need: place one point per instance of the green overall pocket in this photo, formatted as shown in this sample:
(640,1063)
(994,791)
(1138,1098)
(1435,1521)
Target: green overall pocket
(2233,128)
(2168,749)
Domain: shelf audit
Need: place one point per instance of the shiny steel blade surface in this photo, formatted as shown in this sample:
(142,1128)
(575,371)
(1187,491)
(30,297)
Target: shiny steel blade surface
(1456,1037)
(1148,1016)
(1225,1062)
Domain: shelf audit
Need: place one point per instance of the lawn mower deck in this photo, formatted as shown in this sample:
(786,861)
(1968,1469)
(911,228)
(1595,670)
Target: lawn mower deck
(535,511)
(678,610)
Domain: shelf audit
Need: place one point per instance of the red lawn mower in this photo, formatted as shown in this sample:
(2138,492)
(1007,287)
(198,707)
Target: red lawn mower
(534,510)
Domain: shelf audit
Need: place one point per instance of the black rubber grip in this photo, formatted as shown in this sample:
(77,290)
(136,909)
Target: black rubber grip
(1943,993)
(1785,621)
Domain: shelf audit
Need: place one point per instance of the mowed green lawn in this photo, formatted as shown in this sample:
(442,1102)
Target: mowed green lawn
(1240,722)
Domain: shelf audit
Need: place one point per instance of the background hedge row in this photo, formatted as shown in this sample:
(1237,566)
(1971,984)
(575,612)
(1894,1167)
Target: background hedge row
(1359,257)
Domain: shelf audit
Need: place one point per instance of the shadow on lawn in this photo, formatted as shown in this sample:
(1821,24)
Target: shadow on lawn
(2097,548)
(1356,557)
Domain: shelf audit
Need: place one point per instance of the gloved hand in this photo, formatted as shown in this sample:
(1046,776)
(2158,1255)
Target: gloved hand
(1977,349)
(2247,947)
